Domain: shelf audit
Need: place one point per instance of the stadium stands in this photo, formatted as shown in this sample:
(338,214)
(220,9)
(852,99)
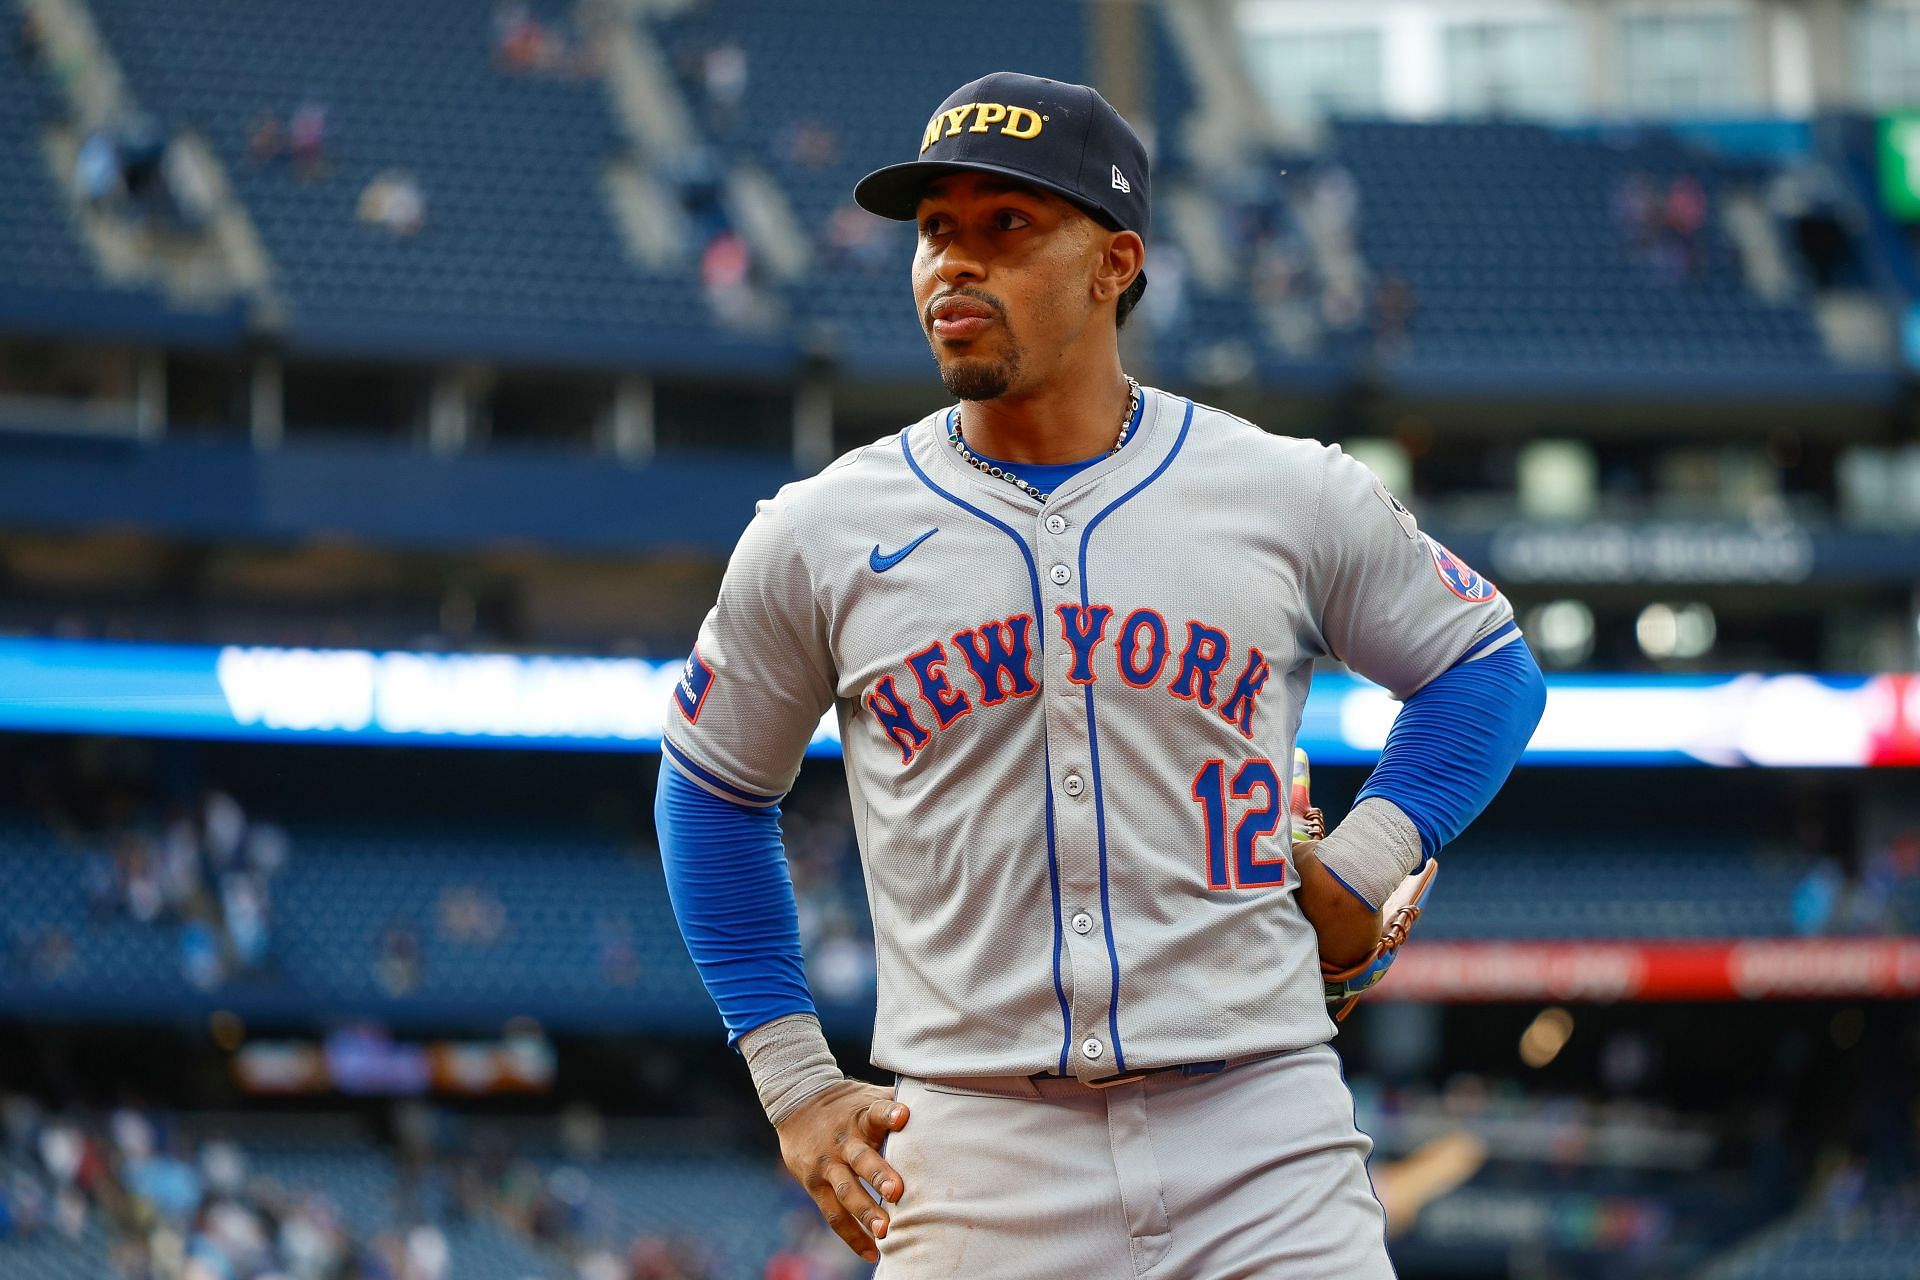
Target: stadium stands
(740,1201)
(1601,889)
(1866,1241)
(519,256)
(494,919)
(42,250)
(47,277)
(1489,254)
(1527,248)
(862,76)
(84,1196)
(28,1250)
(364,1185)
(478,923)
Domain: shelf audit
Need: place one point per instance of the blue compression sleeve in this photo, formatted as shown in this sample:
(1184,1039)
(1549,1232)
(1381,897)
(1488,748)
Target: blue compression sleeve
(732,894)
(1456,740)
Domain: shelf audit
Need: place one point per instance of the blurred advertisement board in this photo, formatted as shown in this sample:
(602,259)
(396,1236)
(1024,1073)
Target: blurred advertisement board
(1606,971)
(621,704)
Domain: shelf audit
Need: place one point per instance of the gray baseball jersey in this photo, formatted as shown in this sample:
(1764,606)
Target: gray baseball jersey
(1068,727)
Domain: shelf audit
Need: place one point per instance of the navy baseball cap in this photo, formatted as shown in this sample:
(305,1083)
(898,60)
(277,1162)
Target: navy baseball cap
(1063,137)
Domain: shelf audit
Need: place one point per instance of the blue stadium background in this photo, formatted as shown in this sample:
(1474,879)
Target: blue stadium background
(457,327)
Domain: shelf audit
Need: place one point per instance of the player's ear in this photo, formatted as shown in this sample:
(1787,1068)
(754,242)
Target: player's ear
(1123,257)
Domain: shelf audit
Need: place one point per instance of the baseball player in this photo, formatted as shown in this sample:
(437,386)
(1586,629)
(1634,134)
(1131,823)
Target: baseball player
(1067,626)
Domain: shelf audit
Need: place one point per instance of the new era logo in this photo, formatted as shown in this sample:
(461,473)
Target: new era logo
(1120,182)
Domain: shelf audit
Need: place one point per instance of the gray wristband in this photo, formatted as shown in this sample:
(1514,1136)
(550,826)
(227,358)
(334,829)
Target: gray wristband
(790,1062)
(1373,850)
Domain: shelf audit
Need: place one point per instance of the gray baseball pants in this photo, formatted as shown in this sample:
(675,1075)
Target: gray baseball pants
(1257,1170)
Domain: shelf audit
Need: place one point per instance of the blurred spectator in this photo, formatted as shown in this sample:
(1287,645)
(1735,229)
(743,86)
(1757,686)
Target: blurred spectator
(470,915)
(267,847)
(857,239)
(394,202)
(139,880)
(223,824)
(179,855)
(1343,305)
(601,1264)
(267,138)
(619,961)
(307,140)
(841,965)
(1686,220)
(1393,308)
(1283,289)
(243,905)
(133,168)
(1815,897)
(1334,202)
(809,144)
(428,1253)
(206,870)
(201,963)
(724,77)
(519,41)
(397,966)
(1635,207)
(96,170)
(726,274)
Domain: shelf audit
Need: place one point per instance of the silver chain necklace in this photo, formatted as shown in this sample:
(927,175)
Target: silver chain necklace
(955,439)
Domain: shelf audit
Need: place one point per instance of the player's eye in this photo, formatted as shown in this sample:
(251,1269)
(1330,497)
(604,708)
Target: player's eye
(935,225)
(1010,220)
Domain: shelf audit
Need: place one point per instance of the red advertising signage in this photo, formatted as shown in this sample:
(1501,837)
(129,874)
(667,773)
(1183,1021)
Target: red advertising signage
(1770,969)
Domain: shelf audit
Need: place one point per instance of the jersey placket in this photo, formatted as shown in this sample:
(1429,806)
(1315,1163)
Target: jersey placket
(1093,1052)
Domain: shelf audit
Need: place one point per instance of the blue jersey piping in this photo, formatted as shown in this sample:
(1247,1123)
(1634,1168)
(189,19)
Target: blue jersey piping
(1040,633)
(1093,742)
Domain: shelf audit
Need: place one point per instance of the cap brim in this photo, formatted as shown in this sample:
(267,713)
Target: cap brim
(895,191)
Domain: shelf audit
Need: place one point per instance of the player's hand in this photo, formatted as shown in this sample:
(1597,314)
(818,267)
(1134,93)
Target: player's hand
(1348,928)
(831,1143)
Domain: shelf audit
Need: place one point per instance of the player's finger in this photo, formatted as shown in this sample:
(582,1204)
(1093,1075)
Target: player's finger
(854,1200)
(873,1167)
(844,1224)
(878,1119)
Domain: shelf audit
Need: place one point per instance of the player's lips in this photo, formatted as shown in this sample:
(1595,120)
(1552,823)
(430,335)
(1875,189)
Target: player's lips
(956,318)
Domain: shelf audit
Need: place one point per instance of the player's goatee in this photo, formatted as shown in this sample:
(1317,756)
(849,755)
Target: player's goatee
(980,379)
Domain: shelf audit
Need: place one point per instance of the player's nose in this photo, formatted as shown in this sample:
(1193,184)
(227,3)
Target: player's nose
(954,264)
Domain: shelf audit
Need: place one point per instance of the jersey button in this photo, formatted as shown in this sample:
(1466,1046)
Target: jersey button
(1056,523)
(1061,575)
(1073,784)
(1091,1049)
(1082,923)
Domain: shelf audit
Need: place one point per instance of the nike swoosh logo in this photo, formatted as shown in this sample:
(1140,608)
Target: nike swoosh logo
(882,563)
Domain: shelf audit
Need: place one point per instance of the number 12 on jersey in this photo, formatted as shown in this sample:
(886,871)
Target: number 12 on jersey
(1211,791)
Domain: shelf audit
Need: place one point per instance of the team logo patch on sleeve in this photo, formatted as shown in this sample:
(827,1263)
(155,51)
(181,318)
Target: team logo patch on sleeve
(691,692)
(1459,575)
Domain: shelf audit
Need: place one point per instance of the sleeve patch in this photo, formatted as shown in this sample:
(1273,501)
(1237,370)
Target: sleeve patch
(1398,510)
(1459,576)
(691,693)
